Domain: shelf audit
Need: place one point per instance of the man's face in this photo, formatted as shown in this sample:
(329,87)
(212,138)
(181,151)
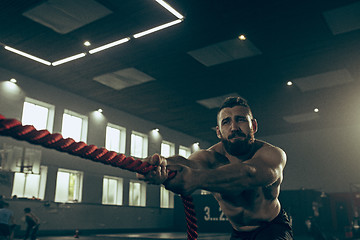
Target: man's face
(236,130)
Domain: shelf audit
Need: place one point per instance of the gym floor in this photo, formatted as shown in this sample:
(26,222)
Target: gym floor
(148,236)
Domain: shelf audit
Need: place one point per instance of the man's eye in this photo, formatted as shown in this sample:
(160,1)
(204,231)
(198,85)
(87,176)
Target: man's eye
(225,122)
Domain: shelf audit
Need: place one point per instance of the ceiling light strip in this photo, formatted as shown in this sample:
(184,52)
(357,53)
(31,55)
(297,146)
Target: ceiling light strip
(27,55)
(109,45)
(68,59)
(170,9)
(157,28)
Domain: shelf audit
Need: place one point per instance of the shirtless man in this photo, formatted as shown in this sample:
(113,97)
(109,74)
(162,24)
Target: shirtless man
(244,175)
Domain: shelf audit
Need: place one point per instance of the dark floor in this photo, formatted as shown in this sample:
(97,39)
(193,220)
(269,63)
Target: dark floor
(148,236)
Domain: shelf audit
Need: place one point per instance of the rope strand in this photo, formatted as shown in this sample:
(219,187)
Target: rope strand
(15,129)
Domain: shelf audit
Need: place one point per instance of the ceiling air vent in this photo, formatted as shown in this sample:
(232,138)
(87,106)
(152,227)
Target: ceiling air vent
(123,78)
(64,16)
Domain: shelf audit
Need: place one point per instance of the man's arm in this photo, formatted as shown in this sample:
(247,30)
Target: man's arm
(264,169)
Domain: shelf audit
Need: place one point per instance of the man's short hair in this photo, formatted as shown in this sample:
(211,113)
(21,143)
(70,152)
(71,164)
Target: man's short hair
(230,102)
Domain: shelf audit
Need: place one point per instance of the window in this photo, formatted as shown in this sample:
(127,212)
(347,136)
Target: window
(166,198)
(139,145)
(38,114)
(112,190)
(115,138)
(29,185)
(68,186)
(184,151)
(137,193)
(167,149)
(74,126)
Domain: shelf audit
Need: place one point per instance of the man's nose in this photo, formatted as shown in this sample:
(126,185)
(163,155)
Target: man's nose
(234,126)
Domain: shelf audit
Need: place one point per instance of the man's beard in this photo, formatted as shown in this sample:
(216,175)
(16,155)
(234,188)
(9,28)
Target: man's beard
(238,147)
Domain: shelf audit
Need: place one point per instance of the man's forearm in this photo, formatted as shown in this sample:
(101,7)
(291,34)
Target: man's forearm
(228,178)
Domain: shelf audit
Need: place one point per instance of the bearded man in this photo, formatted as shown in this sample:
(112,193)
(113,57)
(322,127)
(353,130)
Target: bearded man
(243,173)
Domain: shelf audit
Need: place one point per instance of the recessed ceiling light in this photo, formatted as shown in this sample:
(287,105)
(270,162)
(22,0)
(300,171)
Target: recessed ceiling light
(100,110)
(13,80)
(87,43)
(156,130)
(316,110)
(289,83)
(242,37)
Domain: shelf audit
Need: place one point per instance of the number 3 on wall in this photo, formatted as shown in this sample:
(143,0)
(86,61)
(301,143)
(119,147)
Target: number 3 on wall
(207,213)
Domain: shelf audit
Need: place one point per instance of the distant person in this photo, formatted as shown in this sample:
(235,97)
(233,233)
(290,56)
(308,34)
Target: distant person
(6,220)
(33,223)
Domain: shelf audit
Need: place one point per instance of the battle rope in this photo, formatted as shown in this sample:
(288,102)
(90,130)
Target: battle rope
(15,129)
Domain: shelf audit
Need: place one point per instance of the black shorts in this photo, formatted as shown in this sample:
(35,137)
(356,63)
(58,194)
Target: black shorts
(4,229)
(278,229)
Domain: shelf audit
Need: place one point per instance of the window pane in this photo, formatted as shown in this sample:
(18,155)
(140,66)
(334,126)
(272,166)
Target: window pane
(32,186)
(164,197)
(62,187)
(35,115)
(112,139)
(19,183)
(112,190)
(137,145)
(72,127)
(185,152)
(134,194)
(105,190)
(165,149)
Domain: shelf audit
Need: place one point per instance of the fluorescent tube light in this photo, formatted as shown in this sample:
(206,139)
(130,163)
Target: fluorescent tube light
(27,55)
(170,9)
(109,45)
(68,59)
(157,28)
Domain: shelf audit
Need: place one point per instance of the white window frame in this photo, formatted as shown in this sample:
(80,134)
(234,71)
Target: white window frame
(60,186)
(84,125)
(141,201)
(118,191)
(166,198)
(171,146)
(186,149)
(29,120)
(122,138)
(144,150)
(22,181)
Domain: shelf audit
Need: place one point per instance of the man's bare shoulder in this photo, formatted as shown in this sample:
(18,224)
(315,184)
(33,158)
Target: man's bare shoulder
(270,151)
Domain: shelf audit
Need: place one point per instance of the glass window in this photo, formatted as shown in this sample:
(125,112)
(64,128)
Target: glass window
(38,114)
(29,185)
(74,126)
(139,145)
(112,190)
(68,186)
(166,198)
(137,193)
(167,149)
(184,151)
(115,138)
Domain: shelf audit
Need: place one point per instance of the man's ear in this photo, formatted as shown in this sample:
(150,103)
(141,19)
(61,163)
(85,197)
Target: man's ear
(218,134)
(254,125)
